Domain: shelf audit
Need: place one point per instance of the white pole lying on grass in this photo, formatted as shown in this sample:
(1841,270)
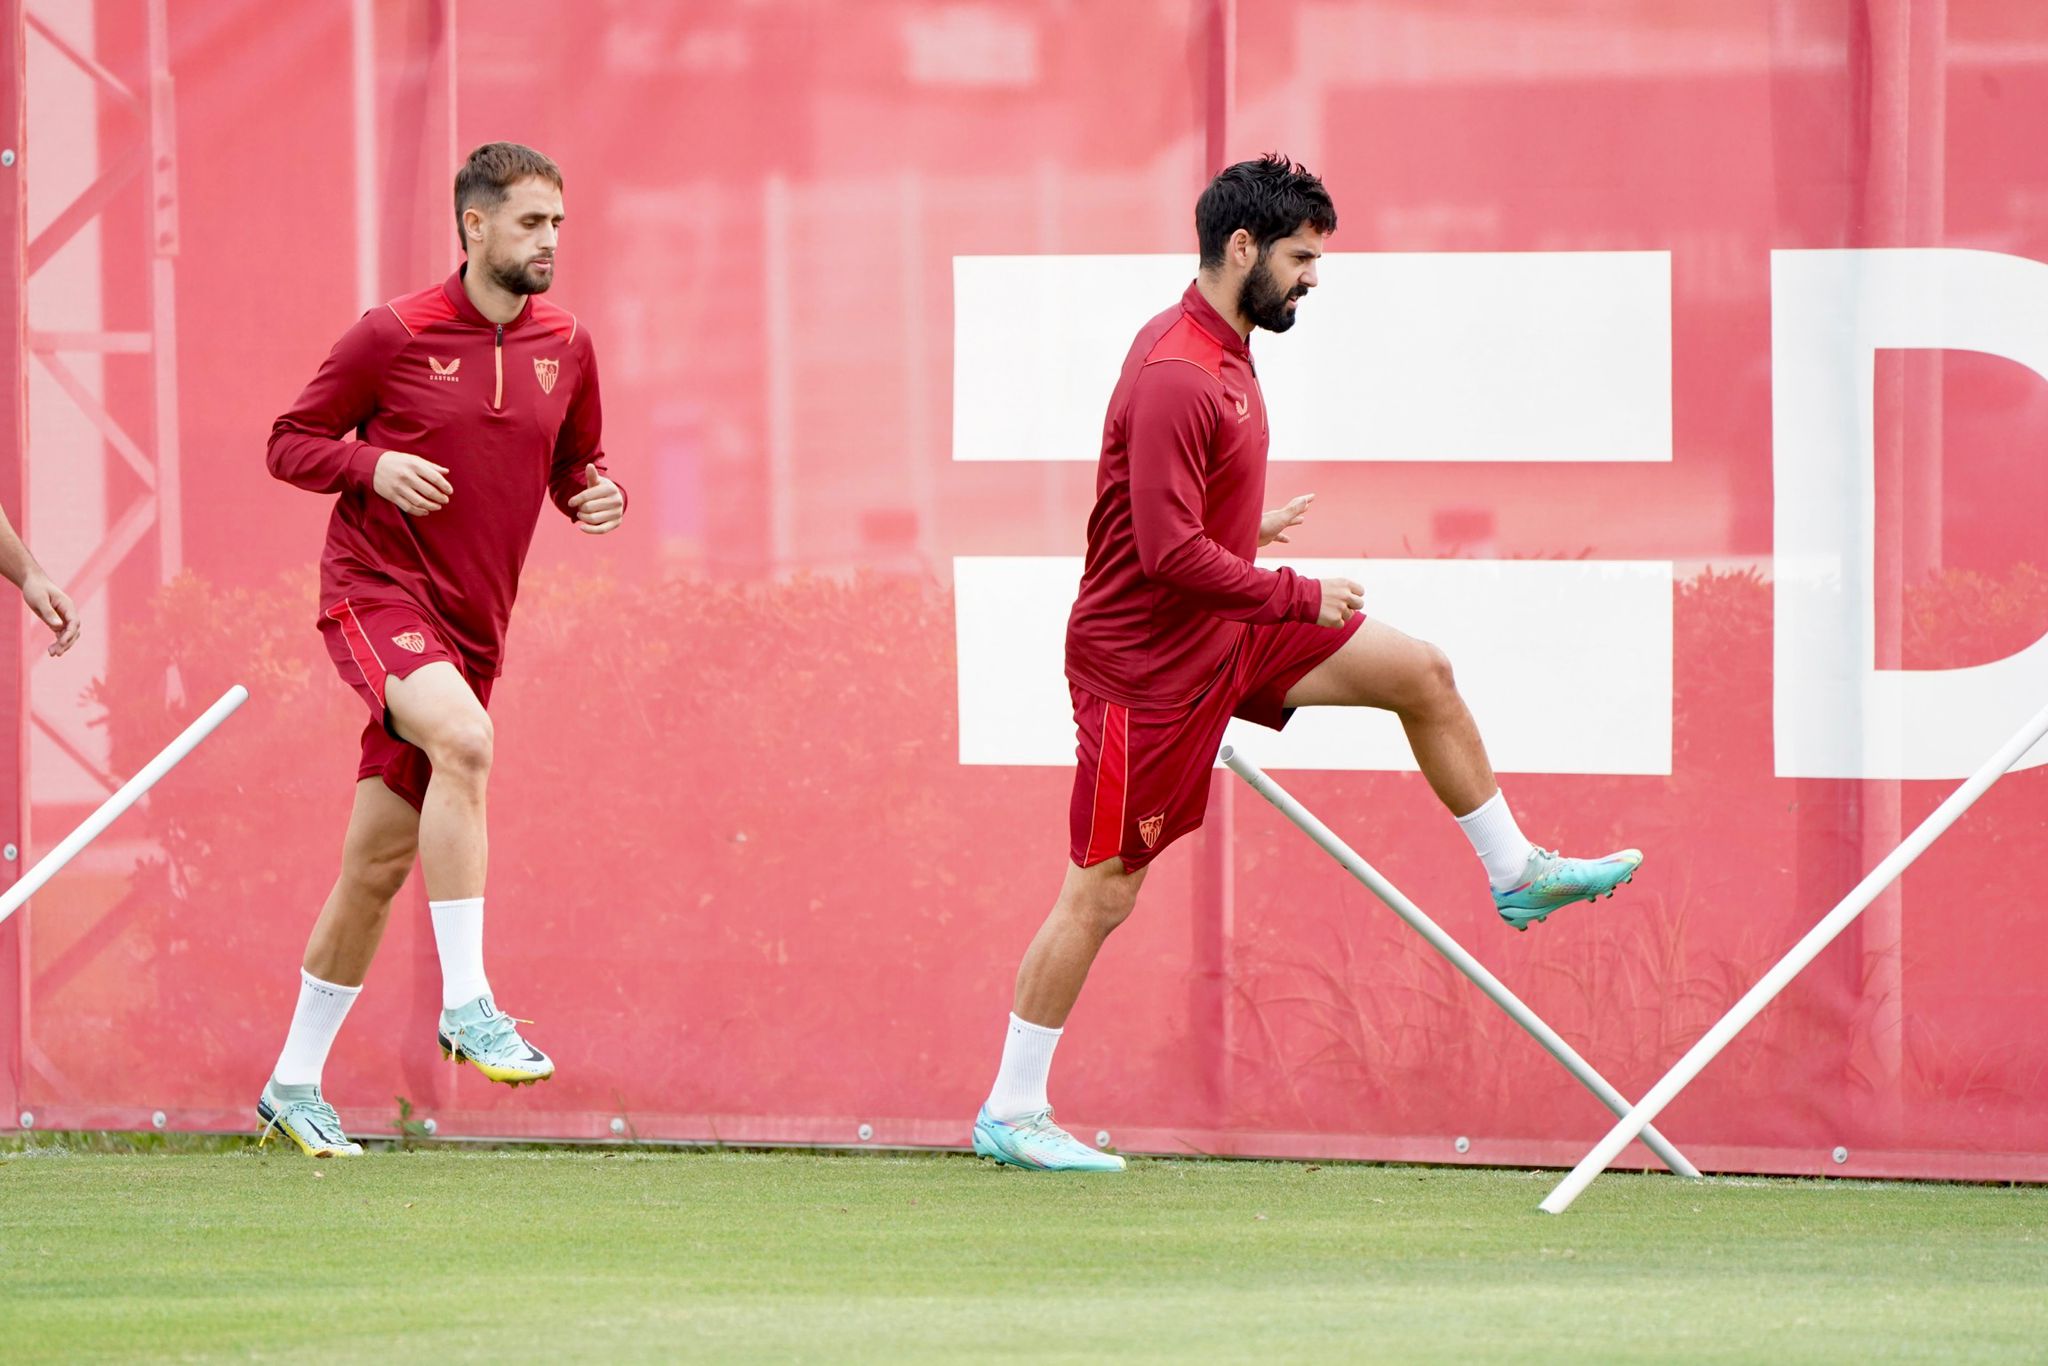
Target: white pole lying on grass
(131,791)
(1819,937)
(1451,949)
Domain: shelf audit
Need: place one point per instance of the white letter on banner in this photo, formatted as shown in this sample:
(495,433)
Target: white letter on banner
(1837,715)
(1540,355)
(1553,711)
(1551,356)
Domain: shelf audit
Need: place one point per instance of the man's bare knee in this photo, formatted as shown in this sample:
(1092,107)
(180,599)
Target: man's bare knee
(377,874)
(1105,902)
(1430,685)
(1438,680)
(462,747)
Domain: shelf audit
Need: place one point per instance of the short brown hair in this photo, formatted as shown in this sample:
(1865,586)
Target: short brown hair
(493,169)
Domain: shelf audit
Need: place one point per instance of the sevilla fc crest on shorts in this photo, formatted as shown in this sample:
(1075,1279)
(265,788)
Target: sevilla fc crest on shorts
(1149,828)
(410,640)
(545,371)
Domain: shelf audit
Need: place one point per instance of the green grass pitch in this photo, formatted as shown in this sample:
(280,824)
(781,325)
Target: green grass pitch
(450,1254)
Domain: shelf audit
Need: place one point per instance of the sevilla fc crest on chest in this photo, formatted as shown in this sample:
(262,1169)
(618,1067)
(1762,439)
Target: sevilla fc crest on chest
(545,371)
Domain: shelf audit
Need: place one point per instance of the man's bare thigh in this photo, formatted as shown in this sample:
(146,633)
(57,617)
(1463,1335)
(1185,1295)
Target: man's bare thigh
(429,699)
(1378,667)
(381,825)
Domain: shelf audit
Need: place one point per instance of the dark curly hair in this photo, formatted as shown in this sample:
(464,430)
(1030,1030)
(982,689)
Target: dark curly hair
(1270,198)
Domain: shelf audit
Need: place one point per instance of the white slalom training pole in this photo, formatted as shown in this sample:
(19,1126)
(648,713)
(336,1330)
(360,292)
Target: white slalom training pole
(1819,937)
(1451,949)
(131,791)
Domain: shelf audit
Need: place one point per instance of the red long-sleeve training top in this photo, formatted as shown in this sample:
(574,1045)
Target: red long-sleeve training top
(512,412)
(1170,584)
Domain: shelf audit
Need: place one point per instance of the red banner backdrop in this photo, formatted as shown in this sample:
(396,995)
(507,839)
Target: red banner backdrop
(743,880)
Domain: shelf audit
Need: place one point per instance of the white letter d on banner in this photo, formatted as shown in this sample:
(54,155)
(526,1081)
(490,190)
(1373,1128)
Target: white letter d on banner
(1837,715)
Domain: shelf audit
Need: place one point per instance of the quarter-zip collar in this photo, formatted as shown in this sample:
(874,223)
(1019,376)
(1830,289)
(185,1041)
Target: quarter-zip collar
(466,309)
(1205,315)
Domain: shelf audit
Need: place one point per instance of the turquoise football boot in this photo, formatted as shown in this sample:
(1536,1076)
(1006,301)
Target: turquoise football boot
(299,1113)
(1037,1144)
(1551,881)
(486,1038)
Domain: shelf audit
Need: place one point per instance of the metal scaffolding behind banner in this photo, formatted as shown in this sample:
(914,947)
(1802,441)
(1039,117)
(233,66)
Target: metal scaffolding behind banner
(149,448)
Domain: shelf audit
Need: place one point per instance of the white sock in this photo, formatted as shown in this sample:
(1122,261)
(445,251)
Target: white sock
(1027,1058)
(1498,841)
(322,1007)
(459,935)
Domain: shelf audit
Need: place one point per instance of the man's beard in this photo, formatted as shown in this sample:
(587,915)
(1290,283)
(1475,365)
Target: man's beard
(514,279)
(1264,302)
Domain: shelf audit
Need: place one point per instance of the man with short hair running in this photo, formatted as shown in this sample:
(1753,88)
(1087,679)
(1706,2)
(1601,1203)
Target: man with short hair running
(443,420)
(1176,631)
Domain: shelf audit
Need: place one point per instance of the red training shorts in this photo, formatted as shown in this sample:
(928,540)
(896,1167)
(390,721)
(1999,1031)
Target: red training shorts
(371,642)
(1143,776)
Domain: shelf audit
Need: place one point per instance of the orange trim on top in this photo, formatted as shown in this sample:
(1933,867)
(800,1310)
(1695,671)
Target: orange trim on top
(1186,340)
(421,309)
(554,318)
